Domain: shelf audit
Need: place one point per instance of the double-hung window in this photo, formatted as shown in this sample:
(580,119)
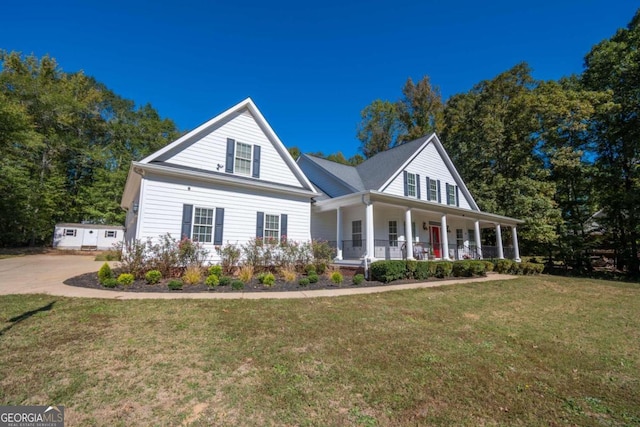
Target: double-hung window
(393,233)
(202,225)
(242,163)
(356,233)
(451,194)
(433,190)
(411,185)
(272,227)
(459,238)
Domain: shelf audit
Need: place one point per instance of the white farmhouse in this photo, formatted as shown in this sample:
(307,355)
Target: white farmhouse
(232,179)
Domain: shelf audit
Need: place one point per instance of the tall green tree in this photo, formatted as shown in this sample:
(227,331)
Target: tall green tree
(614,65)
(421,109)
(380,127)
(489,133)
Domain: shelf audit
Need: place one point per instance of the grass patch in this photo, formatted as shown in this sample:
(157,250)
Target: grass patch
(528,351)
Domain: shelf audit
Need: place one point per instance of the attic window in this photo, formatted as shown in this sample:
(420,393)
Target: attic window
(243,159)
(411,185)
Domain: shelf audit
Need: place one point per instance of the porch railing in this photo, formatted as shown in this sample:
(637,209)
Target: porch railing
(386,249)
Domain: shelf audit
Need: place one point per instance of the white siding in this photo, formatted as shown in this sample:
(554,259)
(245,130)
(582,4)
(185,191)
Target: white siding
(323,226)
(62,241)
(427,163)
(210,150)
(163,199)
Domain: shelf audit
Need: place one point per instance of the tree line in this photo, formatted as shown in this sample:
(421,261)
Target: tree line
(550,152)
(66,143)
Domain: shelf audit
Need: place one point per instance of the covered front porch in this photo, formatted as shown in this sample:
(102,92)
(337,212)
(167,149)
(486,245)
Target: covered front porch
(378,226)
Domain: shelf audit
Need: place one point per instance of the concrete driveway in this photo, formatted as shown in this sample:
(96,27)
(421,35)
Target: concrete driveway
(44,274)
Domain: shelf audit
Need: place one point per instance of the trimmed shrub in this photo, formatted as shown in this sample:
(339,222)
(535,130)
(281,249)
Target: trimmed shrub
(423,271)
(212,281)
(505,266)
(105,273)
(478,268)
(192,275)
(237,285)
(358,279)
(110,283)
(411,266)
(461,269)
(268,279)
(215,270)
(530,268)
(488,265)
(304,281)
(443,269)
(175,285)
(125,279)
(152,277)
(336,277)
(313,278)
(388,271)
(225,281)
(310,268)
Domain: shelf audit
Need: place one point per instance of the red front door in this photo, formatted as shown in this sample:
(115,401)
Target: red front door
(435,241)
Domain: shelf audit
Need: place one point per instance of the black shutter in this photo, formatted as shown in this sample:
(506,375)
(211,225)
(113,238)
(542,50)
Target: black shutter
(217,234)
(457,196)
(256,161)
(231,148)
(406,185)
(428,188)
(418,186)
(447,194)
(283,226)
(439,193)
(260,225)
(187,214)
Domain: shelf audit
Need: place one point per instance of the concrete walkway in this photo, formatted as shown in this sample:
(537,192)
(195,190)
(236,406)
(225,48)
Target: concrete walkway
(44,274)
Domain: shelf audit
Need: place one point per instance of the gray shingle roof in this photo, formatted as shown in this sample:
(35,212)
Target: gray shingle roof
(373,172)
(376,171)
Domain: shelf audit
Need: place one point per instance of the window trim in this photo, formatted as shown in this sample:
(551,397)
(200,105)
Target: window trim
(433,190)
(211,226)
(266,230)
(356,242)
(451,195)
(107,234)
(74,232)
(236,157)
(415,185)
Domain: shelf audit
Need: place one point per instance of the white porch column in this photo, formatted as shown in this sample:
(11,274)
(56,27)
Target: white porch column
(369,227)
(445,238)
(499,242)
(408,234)
(339,234)
(516,250)
(476,232)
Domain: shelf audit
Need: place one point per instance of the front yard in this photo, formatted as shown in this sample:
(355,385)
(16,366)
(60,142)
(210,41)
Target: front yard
(529,351)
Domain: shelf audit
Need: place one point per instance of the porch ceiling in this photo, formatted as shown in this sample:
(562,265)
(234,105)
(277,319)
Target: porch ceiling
(372,196)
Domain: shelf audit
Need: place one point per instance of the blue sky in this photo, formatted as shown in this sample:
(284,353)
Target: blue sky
(311,67)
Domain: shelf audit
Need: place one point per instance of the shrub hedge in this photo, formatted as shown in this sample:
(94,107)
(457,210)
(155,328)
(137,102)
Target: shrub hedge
(388,271)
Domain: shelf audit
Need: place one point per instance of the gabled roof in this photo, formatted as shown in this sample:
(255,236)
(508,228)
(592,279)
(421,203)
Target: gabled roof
(190,137)
(378,171)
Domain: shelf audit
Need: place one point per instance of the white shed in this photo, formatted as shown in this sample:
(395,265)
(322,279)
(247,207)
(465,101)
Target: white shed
(87,236)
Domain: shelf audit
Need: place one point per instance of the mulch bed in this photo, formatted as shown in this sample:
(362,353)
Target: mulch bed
(90,280)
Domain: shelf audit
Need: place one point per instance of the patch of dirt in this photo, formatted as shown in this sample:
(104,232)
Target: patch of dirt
(90,280)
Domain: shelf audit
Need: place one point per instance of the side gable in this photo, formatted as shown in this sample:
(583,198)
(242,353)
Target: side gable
(432,170)
(238,142)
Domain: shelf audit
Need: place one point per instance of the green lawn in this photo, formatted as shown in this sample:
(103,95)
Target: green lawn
(531,351)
